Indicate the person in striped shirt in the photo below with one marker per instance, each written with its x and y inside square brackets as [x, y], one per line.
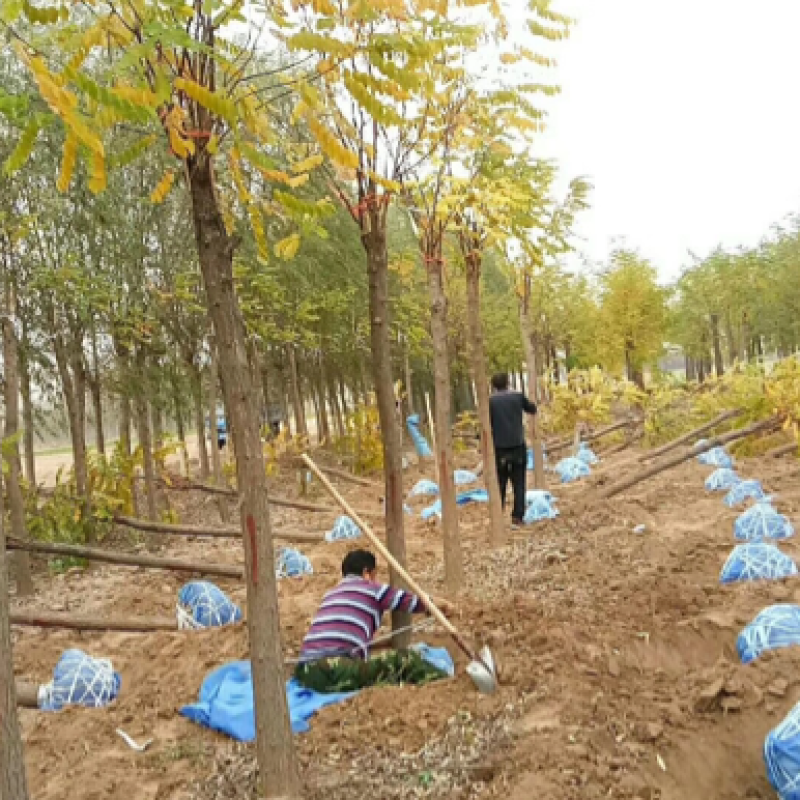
[351, 612]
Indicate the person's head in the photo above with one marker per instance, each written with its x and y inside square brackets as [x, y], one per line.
[361, 563]
[500, 382]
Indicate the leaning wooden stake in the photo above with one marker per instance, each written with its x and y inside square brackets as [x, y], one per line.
[592, 437]
[783, 450]
[147, 526]
[124, 559]
[687, 437]
[719, 441]
[45, 619]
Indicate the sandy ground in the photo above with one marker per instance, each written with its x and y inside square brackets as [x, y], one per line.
[619, 671]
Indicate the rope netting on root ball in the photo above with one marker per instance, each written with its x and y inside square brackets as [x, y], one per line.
[757, 561]
[80, 680]
[762, 521]
[743, 491]
[716, 457]
[782, 756]
[721, 480]
[539, 505]
[572, 469]
[202, 604]
[774, 627]
[291, 563]
[344, 528]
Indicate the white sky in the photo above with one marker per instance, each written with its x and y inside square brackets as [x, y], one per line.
[685, 116]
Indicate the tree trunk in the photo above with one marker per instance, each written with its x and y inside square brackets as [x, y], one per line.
[481, 380]
[719, 365]
[21, 562]
[177, 404]
[409, 381]
[95, 387]
[13, 783]
[145, 440]
[216, 461]
[29, 443]
[529, 343]
[157, 428]
[333, 397]
[274, 744]
[453, 558]
[301, 426]
[199, 421]
[381, 345]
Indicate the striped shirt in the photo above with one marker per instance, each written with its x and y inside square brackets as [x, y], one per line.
[349, 616]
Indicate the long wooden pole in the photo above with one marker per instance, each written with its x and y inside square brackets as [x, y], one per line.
[655, 469]
[219, 533]
[565, 443]
[124, 559]
[689, 436]
[432, 424]
[46, 619]
[398, 568]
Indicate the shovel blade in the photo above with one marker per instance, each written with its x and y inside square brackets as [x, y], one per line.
[482, 672]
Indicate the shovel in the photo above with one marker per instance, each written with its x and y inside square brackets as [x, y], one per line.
[481, 667]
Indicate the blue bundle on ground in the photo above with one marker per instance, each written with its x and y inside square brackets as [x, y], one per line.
[539, 506]
[343, 528]
[716, 457]
[776, 626]
[721, 480]
[475, 496]
[226, 698]
[80, 680]
[587, 455]
[762, 521]
[420, 443]
[463, 477]
[424, 488]
[572, 469]
[202, 604]
[744, 490]
[291, 563]
[782, 756]
[757, 561]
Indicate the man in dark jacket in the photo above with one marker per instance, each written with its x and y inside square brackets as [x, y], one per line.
[508, 432]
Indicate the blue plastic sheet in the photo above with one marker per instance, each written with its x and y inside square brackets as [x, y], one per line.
[721, 480]
[463, 477]
[716, 457]
[540, 507]
[572, 469]
[782, 756]
[533, 495]
[762, 521]
[424, 488]
[757, 561]
[202, 604]
[80, 680]
[420, 443]
[226, 698]
[343, 528]
[742, 491]
[587, 455]
[776, 626]
[475, 496]
[291, 563]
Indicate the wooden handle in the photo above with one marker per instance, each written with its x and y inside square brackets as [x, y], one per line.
[384, 551]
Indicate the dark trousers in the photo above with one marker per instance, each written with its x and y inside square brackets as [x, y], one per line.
[511, 466]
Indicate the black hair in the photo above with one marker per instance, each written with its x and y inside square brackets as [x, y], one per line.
[357, 561]
[500, 381]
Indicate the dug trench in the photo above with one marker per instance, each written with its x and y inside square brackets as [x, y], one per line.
[617, 650]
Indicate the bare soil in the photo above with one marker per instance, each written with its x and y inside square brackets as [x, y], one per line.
[619, 671]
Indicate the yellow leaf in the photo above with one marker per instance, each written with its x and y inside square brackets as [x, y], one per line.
[307, 164]
[68, 161]
[221, 106]
[161, 191]
[287, 248]
[298, 180]
[330, 144]
[97, 178]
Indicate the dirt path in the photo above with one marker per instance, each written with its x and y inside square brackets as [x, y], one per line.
[620, 677]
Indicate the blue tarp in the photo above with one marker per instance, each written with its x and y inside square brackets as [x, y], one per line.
[203, 604]
[776, 626]
[587, 455]
[721, 480]
[424, 488]
[757, 561]
[343, 528]
[539, 506]
[782, 756]
[475, 496]
[762, 521]
[226, 698]
[716, 457]
[572, 469]
[291, 563]
[420, 443]
[80, 680]
[744, 490]
[463, 477]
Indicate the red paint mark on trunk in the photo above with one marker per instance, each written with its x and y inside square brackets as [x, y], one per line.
[251, 532]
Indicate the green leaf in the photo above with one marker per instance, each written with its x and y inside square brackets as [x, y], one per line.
[22, 151]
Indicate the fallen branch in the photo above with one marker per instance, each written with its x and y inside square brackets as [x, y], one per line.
[783, 450]
[345, 476]
[124, 559]
[220, 533]
[618, 448]
[593, 437]
[44, 619]
[689, 436]
[655, 469]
